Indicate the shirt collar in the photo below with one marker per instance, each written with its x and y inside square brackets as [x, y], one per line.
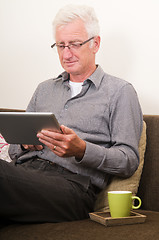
[95, 78]
[64, 76]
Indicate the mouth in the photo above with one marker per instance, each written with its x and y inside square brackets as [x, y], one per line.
[70, 63]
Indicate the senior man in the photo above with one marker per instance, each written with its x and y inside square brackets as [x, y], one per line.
[101, 123]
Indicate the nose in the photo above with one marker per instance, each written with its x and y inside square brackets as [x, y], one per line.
[67, 53]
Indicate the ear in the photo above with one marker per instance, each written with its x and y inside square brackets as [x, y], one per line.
[96, 44]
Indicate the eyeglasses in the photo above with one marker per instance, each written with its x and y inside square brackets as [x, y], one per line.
[71, 46]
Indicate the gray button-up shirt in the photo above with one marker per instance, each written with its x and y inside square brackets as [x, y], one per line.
[106, 114]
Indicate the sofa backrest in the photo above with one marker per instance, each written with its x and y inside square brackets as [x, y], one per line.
[149, 184]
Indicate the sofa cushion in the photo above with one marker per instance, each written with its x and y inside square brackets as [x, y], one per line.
[4, 149]
[128, 184]
[83, 229]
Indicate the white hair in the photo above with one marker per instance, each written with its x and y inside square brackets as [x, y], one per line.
[71, 12]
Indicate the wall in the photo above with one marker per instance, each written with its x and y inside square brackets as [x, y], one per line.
[129, 47]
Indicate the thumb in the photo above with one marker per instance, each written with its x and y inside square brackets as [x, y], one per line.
[66, 130]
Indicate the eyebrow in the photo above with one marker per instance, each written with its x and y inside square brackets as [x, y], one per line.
[72, 41]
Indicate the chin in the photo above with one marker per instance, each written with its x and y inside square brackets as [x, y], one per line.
[72, 70]
[71, 67]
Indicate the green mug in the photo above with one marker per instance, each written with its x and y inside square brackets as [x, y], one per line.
[121, 203]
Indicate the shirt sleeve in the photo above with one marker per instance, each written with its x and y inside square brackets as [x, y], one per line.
[125, 124]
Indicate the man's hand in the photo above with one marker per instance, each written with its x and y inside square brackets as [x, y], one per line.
[33, 147]
[65, 144]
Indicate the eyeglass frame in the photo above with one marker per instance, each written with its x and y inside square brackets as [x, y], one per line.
[64, 46]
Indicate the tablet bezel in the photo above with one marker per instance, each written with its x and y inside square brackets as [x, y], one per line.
[22, 127]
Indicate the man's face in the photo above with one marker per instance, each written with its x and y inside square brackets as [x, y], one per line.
[75, 61]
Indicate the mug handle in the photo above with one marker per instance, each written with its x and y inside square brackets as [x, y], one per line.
[139, 200]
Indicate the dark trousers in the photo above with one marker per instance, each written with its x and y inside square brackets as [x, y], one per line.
[37, 191]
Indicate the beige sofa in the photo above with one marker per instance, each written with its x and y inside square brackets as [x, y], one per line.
[147, 189]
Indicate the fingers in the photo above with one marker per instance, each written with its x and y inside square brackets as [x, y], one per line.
[65, 144]
[38, 147]
[50, 140]
[66, 130]
[50, 136]
[33, 147]
[56, 141]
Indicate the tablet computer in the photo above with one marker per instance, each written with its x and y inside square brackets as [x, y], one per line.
[22, 127]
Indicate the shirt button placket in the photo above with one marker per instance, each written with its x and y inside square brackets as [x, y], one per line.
[66, 107]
